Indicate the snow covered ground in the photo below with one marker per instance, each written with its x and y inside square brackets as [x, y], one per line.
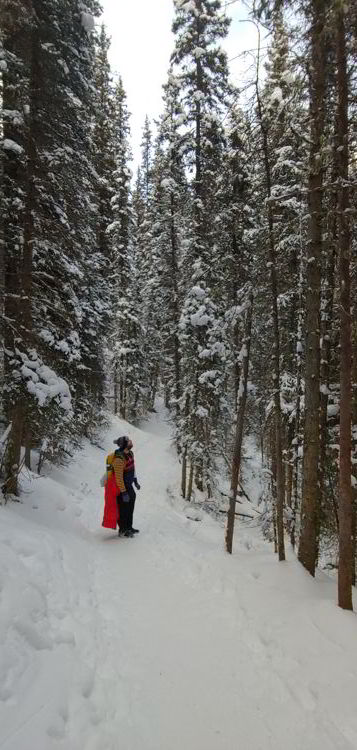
[161, 642]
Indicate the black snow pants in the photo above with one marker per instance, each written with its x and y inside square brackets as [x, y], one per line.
[132, 497]
[124, 513]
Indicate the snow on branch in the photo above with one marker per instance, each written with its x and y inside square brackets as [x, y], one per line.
[43, 383]
[87, 19]
[10, 145]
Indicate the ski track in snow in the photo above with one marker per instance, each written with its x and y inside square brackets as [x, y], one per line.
[162, 641]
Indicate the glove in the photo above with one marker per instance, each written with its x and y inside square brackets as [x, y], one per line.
[137, 485]
[125, 497]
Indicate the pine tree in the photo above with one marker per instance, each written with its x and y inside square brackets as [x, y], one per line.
[55, 56]
[281, 211]
[344, 241]
[148, 271]
[171, 222]
[308, 537]
[123, 354]
[103, 143]
[201, 68]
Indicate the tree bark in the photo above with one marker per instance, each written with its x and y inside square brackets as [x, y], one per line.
[307, 545]
[237, 453]
[190, 483]
[344, 244]
[175, 300]
[280, 483]
[116, 387]
[184, 473]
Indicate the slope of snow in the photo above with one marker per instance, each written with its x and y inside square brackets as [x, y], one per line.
[162, 641]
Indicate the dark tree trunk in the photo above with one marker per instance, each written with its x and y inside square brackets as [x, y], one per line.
[18, 191]
[116, 388]
[190, 483]
[307, 546]
[344, 243]
[325, 346]
[184, 473]
[175, 303]
[280, 480]
[237, 452]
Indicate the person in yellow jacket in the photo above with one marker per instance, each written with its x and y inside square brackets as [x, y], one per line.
[115, 467]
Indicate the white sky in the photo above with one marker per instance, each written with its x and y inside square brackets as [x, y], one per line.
[141, 46]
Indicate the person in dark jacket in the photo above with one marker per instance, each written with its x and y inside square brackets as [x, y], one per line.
[130, 479]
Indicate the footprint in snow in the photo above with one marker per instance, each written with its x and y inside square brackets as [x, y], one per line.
[57, 728]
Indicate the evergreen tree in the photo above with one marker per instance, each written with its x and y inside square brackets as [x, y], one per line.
[201, 68]
[171, 222]
[53, 227]
[123, 355]
[148, 270]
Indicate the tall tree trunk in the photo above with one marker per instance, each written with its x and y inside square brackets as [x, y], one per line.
[18, 186]
[327, 300]
[273, 486]
[184, 456]
[280, 480]
[29, 225]
[175, 300]
[237, 452]
[344, 244]
[27, 441]
[354, 543]
[190, 482]
[116, 387]
[299, 349]
[307, 546]
[184, 472]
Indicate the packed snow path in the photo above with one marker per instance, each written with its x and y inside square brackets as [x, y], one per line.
[161, 642]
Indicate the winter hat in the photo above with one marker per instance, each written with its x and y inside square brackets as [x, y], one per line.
[122, 442]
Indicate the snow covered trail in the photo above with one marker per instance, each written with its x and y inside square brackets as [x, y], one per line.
[162, 641]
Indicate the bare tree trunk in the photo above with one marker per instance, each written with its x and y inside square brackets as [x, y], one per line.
[199, 475]
[116, 387]
[175, 301]
[354, 543]
[184, 473]
[274, 520]
[280, 483]
[29, 226]
[344, 243]
[307, 546]
[296, 483]
[237, 452]
[27, 440]
[354, 467]
[273, 490]
[184, 457]
[290, 467]
[190, 483]
[327, 300]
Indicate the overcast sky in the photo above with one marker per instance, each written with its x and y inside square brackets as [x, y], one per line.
[142, 42]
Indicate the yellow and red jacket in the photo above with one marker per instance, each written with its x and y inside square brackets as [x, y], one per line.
[115, 468]
[114, 484]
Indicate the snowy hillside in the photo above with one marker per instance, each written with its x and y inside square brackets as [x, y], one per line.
[161, 642]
